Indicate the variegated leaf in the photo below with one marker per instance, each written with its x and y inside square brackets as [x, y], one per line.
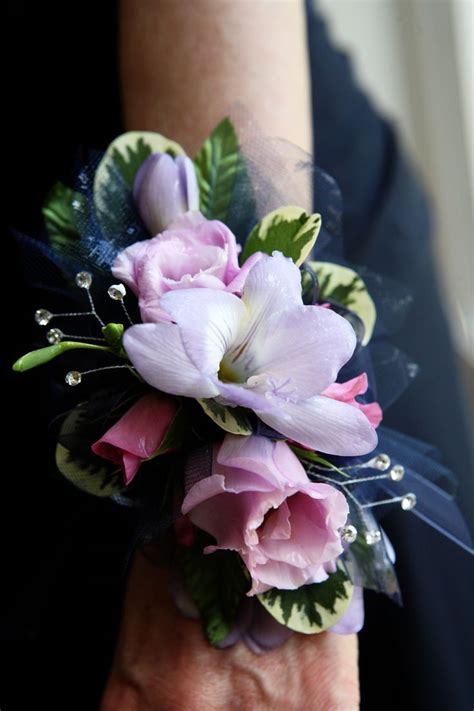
[287, 229]
[128, 151]
[230, 419]
[346, 287]
[312, 608]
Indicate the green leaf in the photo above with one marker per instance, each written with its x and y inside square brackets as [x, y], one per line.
[218, 164]
[216, 582]
[312, 608]
[44, 355]
[344, 286]
[58, 212]
[287, 229]
[231, 419]
[88, 473]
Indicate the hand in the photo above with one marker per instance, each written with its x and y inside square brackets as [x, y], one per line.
[163, 662]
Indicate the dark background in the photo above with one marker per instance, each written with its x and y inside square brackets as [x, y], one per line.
[63, 553]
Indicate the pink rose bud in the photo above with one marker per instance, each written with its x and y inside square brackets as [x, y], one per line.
[259, 502]
[165, 188]
[138, 434]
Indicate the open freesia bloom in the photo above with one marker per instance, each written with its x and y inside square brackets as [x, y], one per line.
[266, 351]
[138, 434]
[259, 502]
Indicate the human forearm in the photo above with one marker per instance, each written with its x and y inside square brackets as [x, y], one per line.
[186, 63]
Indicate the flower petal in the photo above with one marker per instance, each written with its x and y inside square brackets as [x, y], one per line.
[302, 350]
[187, 174]
[233, 519]
[208, 320]
[310, 534]
[345, 392]
[138, 433]
[158, 192]
[373, 412]
[277, 526]
[125, 264]
[323, 424]
[287, 576]
[272, 461]
[201, 491]
[237, 283]
[272, 286]
[157, 352]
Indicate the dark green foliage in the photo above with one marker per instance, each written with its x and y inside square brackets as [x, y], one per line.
[218, 165]
[58, 213]
[216, 582]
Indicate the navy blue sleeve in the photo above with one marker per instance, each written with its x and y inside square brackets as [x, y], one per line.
[420, 655]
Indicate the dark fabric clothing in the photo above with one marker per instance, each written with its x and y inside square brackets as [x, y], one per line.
[422, 655]
[63, 552]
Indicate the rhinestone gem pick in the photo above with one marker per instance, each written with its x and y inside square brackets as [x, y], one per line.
[396, 473]
[117, 292]
[84, 280]
[408, 502]
[348, 533]
[382, 462]
[73, 378]
[54, 336]
[373, 536]
[43, 317]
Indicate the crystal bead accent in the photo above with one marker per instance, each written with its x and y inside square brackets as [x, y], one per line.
[73, 378]
[117, 292]
[382, 462]
[373, 536]
[396, 473]
[54, 336]
[43, 317]
[408, 502]
[412, 370]
[348, 533]
[84, 280]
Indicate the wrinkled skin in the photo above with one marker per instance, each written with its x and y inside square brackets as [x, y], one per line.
[163, 663]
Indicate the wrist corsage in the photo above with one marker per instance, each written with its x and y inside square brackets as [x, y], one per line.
[231, 370]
